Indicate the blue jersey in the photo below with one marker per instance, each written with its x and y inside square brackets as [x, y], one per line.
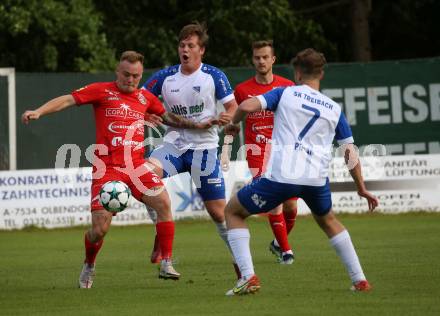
[194, 97]
[305, 124]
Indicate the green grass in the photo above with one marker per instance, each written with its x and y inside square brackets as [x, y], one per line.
[400, 255]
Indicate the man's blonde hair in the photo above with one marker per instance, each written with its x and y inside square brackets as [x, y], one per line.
[132, 57]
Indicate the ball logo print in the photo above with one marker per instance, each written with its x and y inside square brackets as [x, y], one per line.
[114, 196]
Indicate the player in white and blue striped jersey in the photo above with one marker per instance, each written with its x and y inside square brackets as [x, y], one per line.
[305, 124]
[191, 90]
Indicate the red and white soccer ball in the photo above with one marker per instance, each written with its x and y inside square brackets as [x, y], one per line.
[114, 196]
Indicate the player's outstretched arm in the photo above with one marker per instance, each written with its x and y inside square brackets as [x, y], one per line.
[354, 166]
[226, 117]
[178, 121]
[247, 106]
[54, 105]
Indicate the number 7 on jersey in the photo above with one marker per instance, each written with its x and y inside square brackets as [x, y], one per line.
[316, 115]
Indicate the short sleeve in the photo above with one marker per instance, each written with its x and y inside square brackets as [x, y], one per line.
[223, 89]
[155, 107]
[343, 133]
[155, 82]
[87, 94]
[269, 101]
[238, 95]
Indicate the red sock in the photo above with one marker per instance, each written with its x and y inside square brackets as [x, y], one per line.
[290, 219]
[165, 234]
[279, 230]
[92, 249]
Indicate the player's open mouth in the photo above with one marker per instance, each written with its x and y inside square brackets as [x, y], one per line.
[185, 57]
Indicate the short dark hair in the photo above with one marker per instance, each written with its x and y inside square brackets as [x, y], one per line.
[195, 29]
[132, 57]
[263, 43]
[310, 62]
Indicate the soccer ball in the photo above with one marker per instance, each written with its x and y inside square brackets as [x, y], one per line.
[114, 196]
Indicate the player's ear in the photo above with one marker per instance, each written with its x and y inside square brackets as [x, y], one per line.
[202, 50]
[321, 75]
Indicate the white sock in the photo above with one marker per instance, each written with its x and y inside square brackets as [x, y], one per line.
[345, 250]
[223, 232]
[152, 213]
[239, 242]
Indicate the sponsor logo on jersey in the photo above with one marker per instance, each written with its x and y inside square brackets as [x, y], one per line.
[261, 139]
[141, 98]
[175, 90]
[214, 181]
[122, 127]
[261, 114]
[196, 108]
[179, 109]
[113, 95]
[119, 141]
[255, 127]
[123, 111]
[183, 110]
[258, 200]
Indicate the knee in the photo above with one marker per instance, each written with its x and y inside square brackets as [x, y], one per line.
[217, 214]
[97, 233]
[329, 223]
[163, 204]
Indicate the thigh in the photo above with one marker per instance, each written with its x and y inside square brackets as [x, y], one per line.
[318, 199]
[206, 174]
[171, 160]
[143, 181]
[263, 195]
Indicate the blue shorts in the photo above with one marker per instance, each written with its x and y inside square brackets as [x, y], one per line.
[203, 166]
[263, 195]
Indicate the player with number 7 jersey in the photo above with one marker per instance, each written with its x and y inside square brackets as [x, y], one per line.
[305, 124]
[303, 159]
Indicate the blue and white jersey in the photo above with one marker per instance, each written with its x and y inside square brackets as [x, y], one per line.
[194, 97]
[305, 124]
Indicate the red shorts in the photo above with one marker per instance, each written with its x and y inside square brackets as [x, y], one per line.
[147, 178]
[257, 167]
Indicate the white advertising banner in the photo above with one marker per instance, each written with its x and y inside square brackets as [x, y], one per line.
[53, 198]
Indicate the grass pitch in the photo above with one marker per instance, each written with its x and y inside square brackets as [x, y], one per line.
[400, 255]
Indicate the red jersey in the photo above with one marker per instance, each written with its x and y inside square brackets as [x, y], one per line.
[259, 125]
[118, 115]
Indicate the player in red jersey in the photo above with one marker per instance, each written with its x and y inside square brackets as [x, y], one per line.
[120, 109]
[258, 135]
